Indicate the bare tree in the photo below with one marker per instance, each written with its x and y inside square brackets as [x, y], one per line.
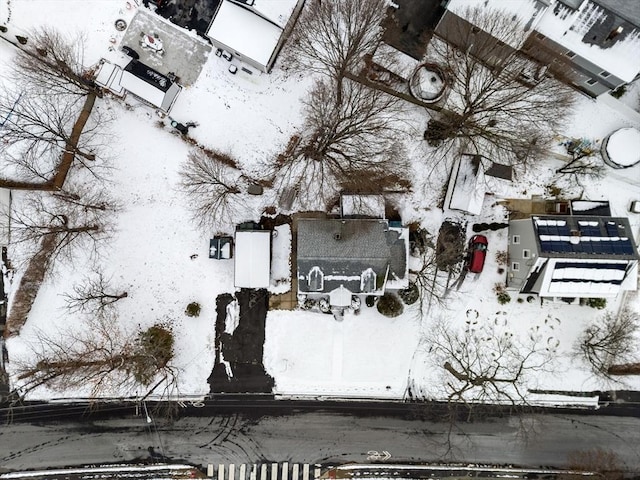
[93, 294]
[99, 355]
[356, 142]
[78, 218]
[333, 36]
[39, 129]
[484, 363]
[55, 63]
[598, 459]
[609, 340]
[424, 273]
[213, 187]
[501, 105]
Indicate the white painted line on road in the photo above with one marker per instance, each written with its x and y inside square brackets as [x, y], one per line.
[263, 472]
[295, 471]
[221, 472]
[285, 470]
[210, 470]
[316, 473]
[274, 471]
[232, 471]
[305, 471]
[254, 472]
[243, 471]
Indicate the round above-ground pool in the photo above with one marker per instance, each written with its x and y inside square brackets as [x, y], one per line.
[428, 82]
[621, 149]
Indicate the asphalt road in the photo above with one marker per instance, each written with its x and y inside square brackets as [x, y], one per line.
[316, 437]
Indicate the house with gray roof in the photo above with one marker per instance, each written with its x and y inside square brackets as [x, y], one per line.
[572, 256]
[591, 45]
[343, 257]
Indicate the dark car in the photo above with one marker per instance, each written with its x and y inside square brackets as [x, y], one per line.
[477, 253]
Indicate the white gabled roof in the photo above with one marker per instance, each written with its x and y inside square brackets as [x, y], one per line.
[245, 32]
[468, 187]
[252, 258]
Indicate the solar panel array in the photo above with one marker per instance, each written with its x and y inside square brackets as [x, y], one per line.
[592, 237]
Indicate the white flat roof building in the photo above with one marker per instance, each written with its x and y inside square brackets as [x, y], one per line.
[252, 258]
[245, 34]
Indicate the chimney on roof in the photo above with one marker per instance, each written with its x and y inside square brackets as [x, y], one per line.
[574, 239]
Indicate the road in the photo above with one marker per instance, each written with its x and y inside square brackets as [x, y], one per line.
[316, 437]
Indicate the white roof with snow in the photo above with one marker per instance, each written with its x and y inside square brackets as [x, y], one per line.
[252, 258]
[149, 93]
[467, 186]
[278, 11]
[245, 32]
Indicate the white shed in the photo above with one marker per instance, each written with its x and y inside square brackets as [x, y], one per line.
[252, 258]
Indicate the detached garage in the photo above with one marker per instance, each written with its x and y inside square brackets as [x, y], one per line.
[252, 258]
[149, 85]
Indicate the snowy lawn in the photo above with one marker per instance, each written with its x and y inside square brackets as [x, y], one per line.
[161, 260]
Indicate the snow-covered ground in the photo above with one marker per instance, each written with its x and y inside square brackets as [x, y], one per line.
[161, 259]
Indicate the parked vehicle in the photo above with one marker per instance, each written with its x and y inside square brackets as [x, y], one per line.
[477, 253]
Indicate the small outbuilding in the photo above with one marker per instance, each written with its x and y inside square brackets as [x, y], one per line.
[252, 258]
[221, 248]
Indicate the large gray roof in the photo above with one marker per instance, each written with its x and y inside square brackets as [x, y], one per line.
[345, 248]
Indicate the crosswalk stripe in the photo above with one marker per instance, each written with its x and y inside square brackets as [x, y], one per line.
[285, 470]
[254, 472]
[221, 472]
[232, 472]
[316, 472]
[274, 471]
[295, 472]
[305, 471]
[243, 471]
[263, 472]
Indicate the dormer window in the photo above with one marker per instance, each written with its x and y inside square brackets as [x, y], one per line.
[368, 281]
[315, 280]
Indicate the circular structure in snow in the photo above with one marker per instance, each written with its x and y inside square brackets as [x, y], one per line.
[428, 83]
[121, 25]
[621, 149]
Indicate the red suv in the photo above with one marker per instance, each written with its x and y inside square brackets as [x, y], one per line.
[477, 253]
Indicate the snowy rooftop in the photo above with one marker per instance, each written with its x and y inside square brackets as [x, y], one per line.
[245, 32]
[568, 28]
[278, 11]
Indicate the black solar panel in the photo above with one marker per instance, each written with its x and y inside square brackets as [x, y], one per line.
[612, 229]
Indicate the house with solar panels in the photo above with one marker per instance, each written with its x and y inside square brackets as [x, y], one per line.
[570, 257]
